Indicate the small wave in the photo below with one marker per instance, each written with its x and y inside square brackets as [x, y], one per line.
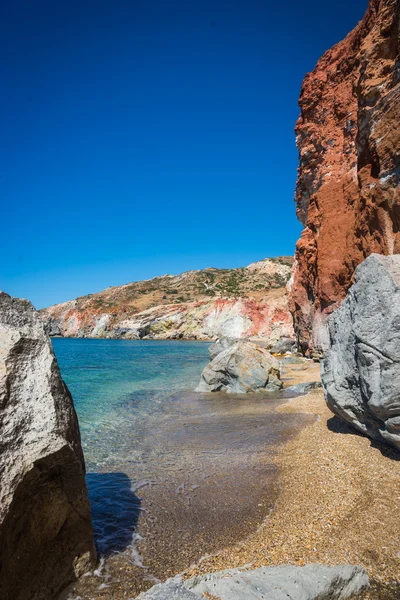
[136, 557]
[140, 484]
[99, 571]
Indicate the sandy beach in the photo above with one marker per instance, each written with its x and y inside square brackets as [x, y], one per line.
[193, 475]
[323, 495]
[338, 501]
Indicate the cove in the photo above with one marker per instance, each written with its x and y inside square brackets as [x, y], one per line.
[172, 475]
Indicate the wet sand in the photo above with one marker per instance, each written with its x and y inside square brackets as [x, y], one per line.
[227, 481]
[205, 480]
[338, 503]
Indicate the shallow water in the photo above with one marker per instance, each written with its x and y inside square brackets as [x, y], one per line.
[118, 383]
[172, 475]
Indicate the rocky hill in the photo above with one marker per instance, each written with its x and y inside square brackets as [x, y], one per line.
[347, 193]
[249, 301]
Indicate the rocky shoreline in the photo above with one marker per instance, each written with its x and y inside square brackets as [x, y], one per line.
[335, 491]
[336, 501]
[212, 486]
[334, 521]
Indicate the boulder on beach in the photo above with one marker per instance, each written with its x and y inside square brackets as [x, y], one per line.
[286, 582]
[305, 387]
[240, 367]
[361, 370]
[283, 345]
[46, 538]
[222, 344]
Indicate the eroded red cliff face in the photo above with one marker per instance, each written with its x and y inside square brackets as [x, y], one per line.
[347, 194]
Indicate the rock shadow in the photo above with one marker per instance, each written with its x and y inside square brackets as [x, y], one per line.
[338, 426]
[115, 511]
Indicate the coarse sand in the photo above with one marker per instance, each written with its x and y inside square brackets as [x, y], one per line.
[338, 502]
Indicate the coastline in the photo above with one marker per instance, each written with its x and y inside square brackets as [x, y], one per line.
[336, 503]
[200, 467]
[127, 339]
[334, 496]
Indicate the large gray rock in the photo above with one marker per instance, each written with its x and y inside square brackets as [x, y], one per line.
[242, 367]
[46, 538]
[283, 345]
[287, 582]
[361, 370]
[220, 345]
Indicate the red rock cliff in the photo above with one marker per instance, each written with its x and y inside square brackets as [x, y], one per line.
[347, 194]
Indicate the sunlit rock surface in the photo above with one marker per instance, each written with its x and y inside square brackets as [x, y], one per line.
[46, 538]
[240, 367]
[347, 192]
[286, 582]
[204, 305]
[361, 370]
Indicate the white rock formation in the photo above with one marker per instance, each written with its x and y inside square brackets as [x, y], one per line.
[46, 538]
[286, 582]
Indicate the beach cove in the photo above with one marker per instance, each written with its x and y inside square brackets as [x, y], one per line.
[173, 475]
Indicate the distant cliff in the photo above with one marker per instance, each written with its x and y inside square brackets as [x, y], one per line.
[347, 194]
[249, 301]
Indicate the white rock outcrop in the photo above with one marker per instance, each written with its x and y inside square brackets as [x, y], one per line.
[46, 537]
[286, 582]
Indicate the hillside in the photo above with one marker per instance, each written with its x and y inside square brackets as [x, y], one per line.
[248, 301]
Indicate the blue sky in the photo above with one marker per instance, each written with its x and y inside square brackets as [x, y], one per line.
[147, 137]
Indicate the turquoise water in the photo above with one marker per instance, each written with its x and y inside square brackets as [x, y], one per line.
[172, 474]
[116, 384]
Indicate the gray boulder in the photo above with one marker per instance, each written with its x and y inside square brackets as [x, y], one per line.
[287, 582]
[283, 345]
[304, 388]
[46, 538]
[242, 367]
[361, 370]
[220, 345]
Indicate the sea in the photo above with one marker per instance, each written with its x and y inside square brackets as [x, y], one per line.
[173, 475]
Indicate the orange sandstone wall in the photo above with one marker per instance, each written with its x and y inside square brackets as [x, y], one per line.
[347, 193]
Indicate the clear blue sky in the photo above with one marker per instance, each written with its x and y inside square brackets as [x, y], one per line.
[140, 137]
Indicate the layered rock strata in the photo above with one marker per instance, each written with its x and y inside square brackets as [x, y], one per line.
[46, 538]
[204, 305]
[347, 191]
[361, 370]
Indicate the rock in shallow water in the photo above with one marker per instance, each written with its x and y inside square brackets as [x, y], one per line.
[361, 371]
[239, 368]
[46, 538]
[287, 582]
